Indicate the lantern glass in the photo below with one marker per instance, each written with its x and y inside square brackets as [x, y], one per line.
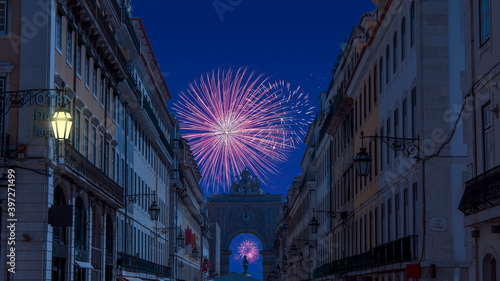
[314, 225]
[195, 252]
[61, 125]
[180, 239]
[362, 162]
[293, 250]
[154, 211]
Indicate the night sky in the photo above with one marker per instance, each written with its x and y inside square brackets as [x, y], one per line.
[292, 40]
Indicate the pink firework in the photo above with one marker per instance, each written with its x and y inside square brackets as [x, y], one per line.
[236, 119]
[250, 249]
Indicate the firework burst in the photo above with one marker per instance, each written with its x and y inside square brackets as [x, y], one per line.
[236, 119]
[250, 249]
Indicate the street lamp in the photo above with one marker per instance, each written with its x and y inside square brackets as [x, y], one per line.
[194, 253]
[293, 249]
[363, 162]
[61, 125]
[180, 239]
[409, 147]
[154, 211]
[314, 225]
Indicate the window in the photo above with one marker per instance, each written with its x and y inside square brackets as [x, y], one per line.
[381, 74]
[80, 225]
[77, 129]
[94, 83]
[414, 207]
[375, 226]
[396, 213]
[405, 119]
[484, 18]
[59, 32]
[370, 231]
[78, 60]
[406, 231]
[388, 125]
[115, 108]
[375, 152]
[487, 137]
[389, 218]
[382, 149]
[86, 137]
[370, 94]
[359, 110]
[365, 236]
[106, 158]
[113, 161]
[395, 52]
[87, 70]
[94, 140]
[101, 151]
[382, 218]
[69, 47]
[364, 102]
[101, 97]
[108, 101]
[387, 55]
[414, 130]
[396, 128]
[370, 145]
[489, 268]
[412, 24]
[375, 89]
[403, 39]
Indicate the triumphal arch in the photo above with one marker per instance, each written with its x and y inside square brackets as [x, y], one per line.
[246, 209]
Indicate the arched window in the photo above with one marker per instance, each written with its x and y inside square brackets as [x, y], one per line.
[80, 225]
[96, 229]
[109, 235]
[59, 233]
[489, 268]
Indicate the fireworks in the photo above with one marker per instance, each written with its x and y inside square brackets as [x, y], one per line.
[250, 249]
[235, 119]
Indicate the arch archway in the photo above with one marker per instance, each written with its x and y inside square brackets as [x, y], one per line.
[249, 246]
[246, 209]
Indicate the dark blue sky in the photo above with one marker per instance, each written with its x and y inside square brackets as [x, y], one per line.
[292, 40]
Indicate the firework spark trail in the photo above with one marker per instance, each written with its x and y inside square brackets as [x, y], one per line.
[250, 249]
[235, 119]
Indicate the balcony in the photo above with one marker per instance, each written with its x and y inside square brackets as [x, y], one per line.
[339, 109]
[481, 192]
[81, 165]
[118, 66]
[135, 264]
[154, 120]
[398, 251]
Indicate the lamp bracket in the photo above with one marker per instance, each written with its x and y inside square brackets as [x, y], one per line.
[409, 146]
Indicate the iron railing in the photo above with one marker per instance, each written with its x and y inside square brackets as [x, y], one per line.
[481, 192]
[135, 264]
[401, 250]
[86, 169]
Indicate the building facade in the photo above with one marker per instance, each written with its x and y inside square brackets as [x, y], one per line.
[86, 206]
[480, 86]
[393, 93]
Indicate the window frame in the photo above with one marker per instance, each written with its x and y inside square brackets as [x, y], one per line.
[487, 135]
[69, 46]
[484, 19]
[58, 40]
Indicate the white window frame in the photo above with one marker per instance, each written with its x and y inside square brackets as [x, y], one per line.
[5, 29]
[69, 47]
[58, 40]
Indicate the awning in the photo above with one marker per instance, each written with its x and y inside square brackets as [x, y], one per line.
[127, 278]
[82, 264]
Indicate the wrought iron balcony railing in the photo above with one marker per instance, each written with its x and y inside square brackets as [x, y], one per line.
[131, 263]
[89, 171]
[398, 251]
[481, 192]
